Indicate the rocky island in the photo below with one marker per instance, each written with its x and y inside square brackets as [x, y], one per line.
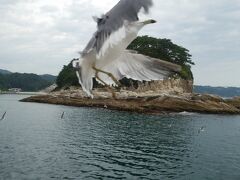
[155, 98]
[170, 95]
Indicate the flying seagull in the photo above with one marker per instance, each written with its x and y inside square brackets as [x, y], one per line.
[105, 56]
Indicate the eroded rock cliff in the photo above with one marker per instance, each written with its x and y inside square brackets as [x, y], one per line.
[170, 86]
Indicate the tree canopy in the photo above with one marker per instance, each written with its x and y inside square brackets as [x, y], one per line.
[67, 77]
[162, 49]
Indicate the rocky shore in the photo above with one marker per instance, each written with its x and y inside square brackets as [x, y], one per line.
[148, 102]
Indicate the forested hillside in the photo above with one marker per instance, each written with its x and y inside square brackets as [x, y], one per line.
[27, 82]
[2, 71]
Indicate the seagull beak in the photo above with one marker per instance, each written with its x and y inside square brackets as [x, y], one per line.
[151, 21]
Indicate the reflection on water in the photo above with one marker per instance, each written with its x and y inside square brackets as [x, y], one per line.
[37, 142]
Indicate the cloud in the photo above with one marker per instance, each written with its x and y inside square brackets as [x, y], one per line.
[41, 36]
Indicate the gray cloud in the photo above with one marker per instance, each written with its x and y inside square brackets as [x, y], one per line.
[40, 36]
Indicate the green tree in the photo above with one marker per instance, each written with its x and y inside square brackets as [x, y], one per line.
[67, 77]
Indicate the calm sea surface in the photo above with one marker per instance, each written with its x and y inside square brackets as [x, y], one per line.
[35, 143]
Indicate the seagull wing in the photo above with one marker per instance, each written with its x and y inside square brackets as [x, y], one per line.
[138, 67]
[112, 24]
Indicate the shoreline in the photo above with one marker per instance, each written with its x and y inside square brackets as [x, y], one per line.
[23, 93]
[146, 104]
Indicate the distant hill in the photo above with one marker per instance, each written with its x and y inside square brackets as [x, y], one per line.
[221, 91]
[48, 77]
[27, 82]
[2, 71]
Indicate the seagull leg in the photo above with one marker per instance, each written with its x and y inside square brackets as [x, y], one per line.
[109, 74]
[108, 87]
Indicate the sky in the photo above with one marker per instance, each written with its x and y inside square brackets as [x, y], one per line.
[40, 36]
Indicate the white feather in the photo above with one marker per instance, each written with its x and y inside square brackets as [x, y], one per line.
[113, 40]
[85, 73]
[137, 67]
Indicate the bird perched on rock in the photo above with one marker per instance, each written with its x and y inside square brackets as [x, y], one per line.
[105, 56]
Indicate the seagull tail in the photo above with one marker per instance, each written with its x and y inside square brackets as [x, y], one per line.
[85, 75]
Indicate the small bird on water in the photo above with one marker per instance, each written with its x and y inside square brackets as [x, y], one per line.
[105, 57]
[3, 116]
[202, 129]
[62, 116]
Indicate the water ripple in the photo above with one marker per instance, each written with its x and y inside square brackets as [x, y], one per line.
[102, 144]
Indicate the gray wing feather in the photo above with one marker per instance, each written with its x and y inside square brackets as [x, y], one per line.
[138, 67]
[125, 10]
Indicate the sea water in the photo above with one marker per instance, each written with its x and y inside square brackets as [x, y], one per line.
[40, 141]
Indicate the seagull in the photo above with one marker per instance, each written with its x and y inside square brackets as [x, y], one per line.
[202, 129]
[3, 116]
[62, 116]
[105, 57]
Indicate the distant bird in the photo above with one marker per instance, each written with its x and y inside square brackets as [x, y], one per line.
[202, 129]
[62, 116]
[3, 116]
[105, 56]
[171, 124]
